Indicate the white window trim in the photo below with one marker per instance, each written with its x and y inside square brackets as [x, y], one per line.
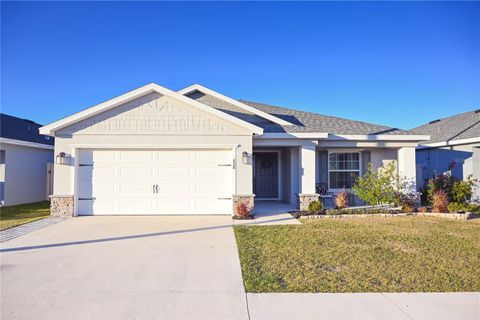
[328, 166]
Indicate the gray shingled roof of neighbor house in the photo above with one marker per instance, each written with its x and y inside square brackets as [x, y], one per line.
[22, 129]
[302, 121]
[460, 126]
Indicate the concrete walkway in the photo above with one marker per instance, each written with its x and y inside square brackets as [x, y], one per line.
[23, 229]
[391, 306]
[270, 213]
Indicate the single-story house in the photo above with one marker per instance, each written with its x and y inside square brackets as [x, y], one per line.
[455, 138]
[196, 151]
[26, 162]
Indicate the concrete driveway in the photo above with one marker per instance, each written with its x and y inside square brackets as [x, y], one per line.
[124, 268]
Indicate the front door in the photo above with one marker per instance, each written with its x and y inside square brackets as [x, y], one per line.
[265, 175]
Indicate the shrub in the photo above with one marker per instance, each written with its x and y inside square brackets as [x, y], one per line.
[315, 207]
[423, 209]
[359, 211]
[462, 207]
[440, 201]
[242, 210]
[407, 200]
[341, 200]
[376, 187]
[462, 190]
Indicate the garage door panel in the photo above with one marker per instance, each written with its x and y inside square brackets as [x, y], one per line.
[178, 173]
[137, 156]
[136, 172]
[189, 182]
[174, 188]
[103, 155]
[136, 205]
[135, 188]
[174, 156]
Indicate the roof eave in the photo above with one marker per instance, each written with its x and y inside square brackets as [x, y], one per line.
[260, 113]
[134, 94]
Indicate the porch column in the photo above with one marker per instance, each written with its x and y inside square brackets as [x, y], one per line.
[307, 155]
[407, 164]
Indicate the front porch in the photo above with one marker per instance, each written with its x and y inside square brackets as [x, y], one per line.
[288, 177]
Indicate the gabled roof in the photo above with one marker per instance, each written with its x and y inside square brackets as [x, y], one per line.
[232, 105]
[457, 127]
[129, 96]
[22, 129]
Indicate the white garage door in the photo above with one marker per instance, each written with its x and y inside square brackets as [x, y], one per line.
[145, 182]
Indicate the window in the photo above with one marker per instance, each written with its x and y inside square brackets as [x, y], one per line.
[343, 167]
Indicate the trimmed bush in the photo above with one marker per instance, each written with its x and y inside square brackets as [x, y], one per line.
[315, 207]
[462, 207]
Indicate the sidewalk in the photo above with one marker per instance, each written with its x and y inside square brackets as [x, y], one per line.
[391, 306]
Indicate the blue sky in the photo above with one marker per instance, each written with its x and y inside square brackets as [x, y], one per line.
[397, 64]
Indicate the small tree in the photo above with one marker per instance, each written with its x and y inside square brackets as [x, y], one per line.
[377, 187]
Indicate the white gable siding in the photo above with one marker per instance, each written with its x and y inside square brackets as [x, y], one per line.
[154, 114]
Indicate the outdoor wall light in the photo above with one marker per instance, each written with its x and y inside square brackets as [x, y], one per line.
[62, 158]
[245, 157]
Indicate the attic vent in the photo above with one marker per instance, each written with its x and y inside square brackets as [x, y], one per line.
[434, 121]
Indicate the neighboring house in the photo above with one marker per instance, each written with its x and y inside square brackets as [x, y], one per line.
[196, 151]
[456, 138]
[26, 161]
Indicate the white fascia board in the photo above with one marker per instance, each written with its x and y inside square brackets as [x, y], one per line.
[299, 135]
[236, 103]
[26, 143]
[132, 95]
[380, 137]
[450, 143]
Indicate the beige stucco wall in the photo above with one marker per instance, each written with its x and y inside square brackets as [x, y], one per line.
[25, 173]
[152, 122]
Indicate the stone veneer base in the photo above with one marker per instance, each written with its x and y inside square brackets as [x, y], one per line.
[303, 200]
[248, 199]
[61, 206]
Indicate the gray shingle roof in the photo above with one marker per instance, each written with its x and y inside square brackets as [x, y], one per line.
[306, 122]
[460, 126]
[22, 129]
[313, 122]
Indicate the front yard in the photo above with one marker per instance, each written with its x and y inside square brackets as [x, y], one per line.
[12, 216]
[399, 254]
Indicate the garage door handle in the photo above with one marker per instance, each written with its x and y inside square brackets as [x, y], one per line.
[224, 165]
[155, 188]
[224, 198]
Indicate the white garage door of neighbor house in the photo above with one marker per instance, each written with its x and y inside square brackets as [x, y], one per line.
[148, 182]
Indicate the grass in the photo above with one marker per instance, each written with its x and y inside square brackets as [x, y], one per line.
[12, 216]
[399, 254]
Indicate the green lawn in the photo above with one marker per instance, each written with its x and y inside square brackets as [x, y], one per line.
[11, 216]
[399, 254]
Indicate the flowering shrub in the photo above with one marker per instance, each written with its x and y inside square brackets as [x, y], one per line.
[407, 200]
[440, 201]
[456, 190]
